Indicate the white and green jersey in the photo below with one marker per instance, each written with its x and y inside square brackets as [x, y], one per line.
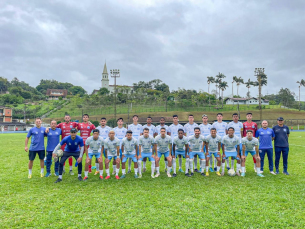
[95, 146]
[104, 131]
[152, 129]
[163, 143]
[120, 133]
[111, 146]
[237, 128]
[180, 143]
[213, 142]
[205, 129]
[189, 129]
[137, 130]
[129, 146]
[230, 143]
[250, 144]
[173, 129]
[196, 144]
[146, 144]
[158, 128]
[221, 128]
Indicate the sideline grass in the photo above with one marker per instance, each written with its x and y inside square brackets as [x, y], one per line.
[197, 202]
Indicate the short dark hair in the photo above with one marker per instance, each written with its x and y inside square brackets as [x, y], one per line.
[231, 128]
[180, 130]
[219, 114]
[37, 118]
[135, 116]
[67, 115]
[120, 119]
[162, 128]
[250, 131]
[149, 117]
[103, 118]
[213, 129]
[129, 132]
[162, 118]
[191, 115]
[234, 114]
[174, 116]
[197, 128]
[146, 129]
[249, 113]
[95, 131]
[53, 120]
[85, 115]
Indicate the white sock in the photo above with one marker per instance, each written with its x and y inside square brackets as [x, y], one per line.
[79, 175]
[60, 176]
[136, 171]
[207, 169]
[243, 169]
[86, 173]
[180, 162]
[237, 167]
[129, 164]
[140, 166]
[101, 172]
[42, 170]
[228, 162]
[71, 167]
[30, 171]
[195, 162]
[97, 166]
[123, 171]
[169, 169]
[174, 165]
[166, 163]
[211, 162]
[258, 170]
[218, 168]
[223, 165]
[113, 167]
[117, 171]
[158, 169]
[107, 172]
[187, 164]
[232, 163]
[144, 165]
[202, 165]
[215, 162]
[191, 166]
[152, 168]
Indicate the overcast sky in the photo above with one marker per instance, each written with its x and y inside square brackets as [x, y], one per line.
[179, 42]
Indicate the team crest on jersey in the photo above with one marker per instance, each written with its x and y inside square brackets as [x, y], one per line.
[88, 127]
[69, 143]
[71, 126]
[253, 126]
[285, 130]
[268, 132]
[75, 143]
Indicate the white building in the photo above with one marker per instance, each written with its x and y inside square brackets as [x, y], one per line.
[105, 84]
[247, 101]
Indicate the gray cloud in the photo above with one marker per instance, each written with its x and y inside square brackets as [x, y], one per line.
[179, 42]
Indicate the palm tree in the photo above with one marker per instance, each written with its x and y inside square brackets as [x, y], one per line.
[248, 85]
[223, 85]
[238, 81]
[219, 78]
[211, 79]
[261, 81]
[301, 83]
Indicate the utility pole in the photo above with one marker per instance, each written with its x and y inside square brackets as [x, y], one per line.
[115, 73]
[299, 94]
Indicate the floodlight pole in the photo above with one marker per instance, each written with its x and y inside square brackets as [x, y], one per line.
[115, 73]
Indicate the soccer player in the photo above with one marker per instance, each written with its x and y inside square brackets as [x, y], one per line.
[37, 135]
[173, 132]
[74, 146]
[205, 129]
[196, 143]
[250, 125]
[221, 128]
[94, 146]
[145, 143]
[163, 146]
[65, 131]
[137, 131]
[112, 150]
[281, 144]
[238, 130]
[162, 124]
[53, 140]
[85, 129]
[265, 136]
[212, 146]
[129, 149]
[152, 132]
[248, 144]
[180, 147]
[104, 133]
[229, 149]
[120, 133]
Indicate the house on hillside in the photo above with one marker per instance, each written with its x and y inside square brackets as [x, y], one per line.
[56, 93]
[7, 123]
[247, 101]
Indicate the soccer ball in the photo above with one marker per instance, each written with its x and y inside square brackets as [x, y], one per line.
[231, 172]
[58, 154]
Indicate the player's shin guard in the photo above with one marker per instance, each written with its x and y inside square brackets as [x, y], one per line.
[129, 164]
[140, 166]
[195, 162]
[153, 168]
[237, 167]
[180, 162]
[187, 164]
[202, 165]
[215, 162]
[191, 166]
[211, 162]
[97, 166]
[223, 165]
[232, 163]
[174, 165]
[136, 171]
[144, 166]
[228, 162]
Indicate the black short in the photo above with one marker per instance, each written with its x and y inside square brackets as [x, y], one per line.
[41, 154]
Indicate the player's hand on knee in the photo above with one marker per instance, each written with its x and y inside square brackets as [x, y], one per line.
[100, 159]
[106, 160]
[79, 160]
[87, 160]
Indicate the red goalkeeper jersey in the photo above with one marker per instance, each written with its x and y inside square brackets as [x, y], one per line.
[249, 126]
[85, 130]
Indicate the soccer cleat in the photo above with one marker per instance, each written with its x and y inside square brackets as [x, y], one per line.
[196, 170]
[140, 176]
[56, 174]
[228, 168]
[80, 178]
[157, 175]
[261, 172]
[117, 177]
[218, 174]
[129, 171]
[107, 177]
[93, 167]
[48, 174]
[187, 174]
[211, 169]
[169, 175]
[273, 173]
[200, 170]
[58, 180]
[243, 174]
[215, 169]
[136, 176]
[101, 177]
[30, 176]
[152, 176]
[286, 173]
[123, 176]
[202, 174]
[260, 175]
[277, 172]
[207, 174]
[96, 172]
[41, 175]
[174, 174]
[192, 174]
[222, 173]
[181, 170]
[71, 173]
[85, 178]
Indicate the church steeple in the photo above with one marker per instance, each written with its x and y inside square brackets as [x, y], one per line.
[105, 79]
[105, 69]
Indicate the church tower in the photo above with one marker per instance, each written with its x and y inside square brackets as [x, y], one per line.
[105, 79]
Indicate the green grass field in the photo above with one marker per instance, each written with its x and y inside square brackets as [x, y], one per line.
[181, 202]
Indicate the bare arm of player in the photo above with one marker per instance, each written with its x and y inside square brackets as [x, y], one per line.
[100, 159]
[206, 149]
[174, 148]
[170, 149]
[86, 152]
[80, 158]
[26, 144]
[56, 148]
[243, 157]
[156, 150]
[223, 150]
[118, 151]
[140, 150]
[186, 149]
[122, 148]
[238, 149]
[202, 150]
